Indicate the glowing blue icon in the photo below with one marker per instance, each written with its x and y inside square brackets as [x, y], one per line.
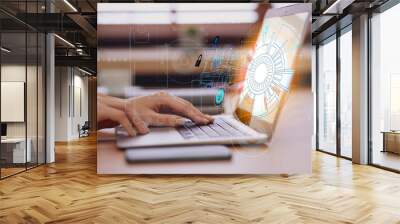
[219, 98]
[215, 41]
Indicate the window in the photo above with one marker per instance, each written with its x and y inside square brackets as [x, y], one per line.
[346, 93]
[22, 77]
[327, 96]
[385, 89]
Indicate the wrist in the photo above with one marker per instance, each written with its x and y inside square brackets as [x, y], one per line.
[114, 102]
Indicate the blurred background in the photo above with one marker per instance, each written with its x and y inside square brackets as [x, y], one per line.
[143, 48]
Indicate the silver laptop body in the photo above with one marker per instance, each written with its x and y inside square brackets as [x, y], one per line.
[225, 130]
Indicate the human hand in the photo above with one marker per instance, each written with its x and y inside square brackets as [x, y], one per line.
[138, 113]
[108, 116]
[162, 109]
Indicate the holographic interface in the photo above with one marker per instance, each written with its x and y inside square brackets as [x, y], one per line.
[271, 68]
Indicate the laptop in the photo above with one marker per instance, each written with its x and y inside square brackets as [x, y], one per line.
[266, 83]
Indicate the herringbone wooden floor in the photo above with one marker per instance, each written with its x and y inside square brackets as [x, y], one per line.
[69, 191]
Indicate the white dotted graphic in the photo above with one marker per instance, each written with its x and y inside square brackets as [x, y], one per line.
[268, 74]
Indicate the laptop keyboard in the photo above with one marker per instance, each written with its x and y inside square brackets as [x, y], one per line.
[220, 128]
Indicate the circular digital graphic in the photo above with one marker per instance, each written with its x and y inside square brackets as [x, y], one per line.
[261, 72]
[267, 76]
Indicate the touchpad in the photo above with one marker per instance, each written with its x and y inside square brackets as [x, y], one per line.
[180, 153]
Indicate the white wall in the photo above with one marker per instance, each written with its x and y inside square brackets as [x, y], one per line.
[34, 126]
[62, 81]
[12, 73]
[71, 94]
[80, 109]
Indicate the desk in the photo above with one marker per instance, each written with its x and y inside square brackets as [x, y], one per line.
[13, 150]
[289, 151]
[391, 141]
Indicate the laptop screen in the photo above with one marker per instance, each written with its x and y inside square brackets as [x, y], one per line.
[267, 77]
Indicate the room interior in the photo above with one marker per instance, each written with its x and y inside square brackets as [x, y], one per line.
[49, 84]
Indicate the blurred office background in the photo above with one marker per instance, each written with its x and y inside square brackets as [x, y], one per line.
[147, 47]
[195, 51]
